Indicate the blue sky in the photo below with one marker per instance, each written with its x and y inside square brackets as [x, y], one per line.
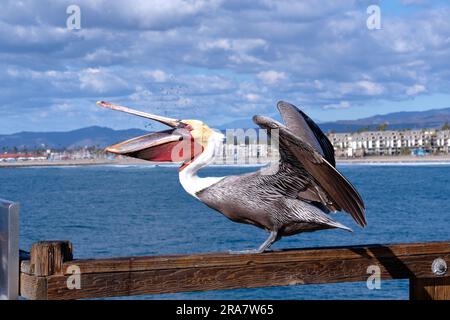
[218, 60]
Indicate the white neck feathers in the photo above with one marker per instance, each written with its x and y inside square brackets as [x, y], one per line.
[188, 175]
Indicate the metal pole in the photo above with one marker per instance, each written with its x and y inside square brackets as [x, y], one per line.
[9, 250]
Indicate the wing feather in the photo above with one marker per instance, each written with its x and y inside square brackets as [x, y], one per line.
[307, 130]
[340, 192]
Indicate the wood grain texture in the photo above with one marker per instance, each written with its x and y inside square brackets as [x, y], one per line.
[232, 277]
[32, 287]
[25, 267]
[282, 256]
[437, 288]
[217, 271]
[47, 257]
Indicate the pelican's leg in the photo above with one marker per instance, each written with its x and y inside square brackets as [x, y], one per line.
[273, 236]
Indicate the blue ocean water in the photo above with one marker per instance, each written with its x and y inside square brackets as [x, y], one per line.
[138, 210]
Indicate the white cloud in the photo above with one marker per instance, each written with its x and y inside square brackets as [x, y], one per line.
[415, 89]
[224, 44]
[238, 45]
[157, 75]
[218, 55]
[371, 88]
[340, 105]
[362, 87]
[62, 107]
[141, 94]
[103, 56]
[271, 76]
[252, 97]
[409, 2]
[99, 80]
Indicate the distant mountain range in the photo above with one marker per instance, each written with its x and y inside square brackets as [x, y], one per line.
[90, 136]
[435, 118]
[103, 137]
[398, 120]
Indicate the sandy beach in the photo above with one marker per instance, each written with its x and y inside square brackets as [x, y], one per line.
[131, 161]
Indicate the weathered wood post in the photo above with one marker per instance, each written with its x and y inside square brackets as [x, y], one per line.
[437, 288]
[46, 259]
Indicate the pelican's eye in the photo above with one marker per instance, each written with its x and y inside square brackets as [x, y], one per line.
[187, 126]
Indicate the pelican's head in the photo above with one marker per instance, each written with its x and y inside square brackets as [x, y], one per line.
[182, 143]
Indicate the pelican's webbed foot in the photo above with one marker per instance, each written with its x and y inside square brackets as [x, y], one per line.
[269, 241]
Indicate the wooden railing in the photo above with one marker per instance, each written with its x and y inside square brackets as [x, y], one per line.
[52, 273]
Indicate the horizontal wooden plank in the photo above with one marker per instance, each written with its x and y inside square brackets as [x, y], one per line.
[127, 264]
[217, 271]
[231, 277]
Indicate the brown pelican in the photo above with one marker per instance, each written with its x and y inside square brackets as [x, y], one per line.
[296, 197]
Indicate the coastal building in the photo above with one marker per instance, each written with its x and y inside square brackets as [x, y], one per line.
[245, 153]
[402, 142]
[13, 157]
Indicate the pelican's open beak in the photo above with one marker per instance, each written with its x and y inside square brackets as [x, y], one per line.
[173, 145]
[167, 121]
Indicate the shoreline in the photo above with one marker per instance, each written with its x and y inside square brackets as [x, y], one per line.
[396, 159]
[131, 162]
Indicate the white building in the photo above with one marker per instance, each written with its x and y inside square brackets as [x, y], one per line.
[390, 142]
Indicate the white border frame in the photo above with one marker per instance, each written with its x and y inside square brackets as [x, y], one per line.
[9, 250]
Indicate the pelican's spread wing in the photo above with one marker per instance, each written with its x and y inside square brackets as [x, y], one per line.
[307, 130]
[320, 177]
